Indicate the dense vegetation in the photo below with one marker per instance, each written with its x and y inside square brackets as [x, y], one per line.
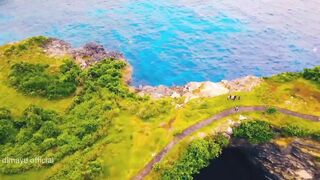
[32, 134]
[260, 131]
[255, 131]
[196, 156]
[34, 79]
[312, 74]
[7, 129]
[298, 131]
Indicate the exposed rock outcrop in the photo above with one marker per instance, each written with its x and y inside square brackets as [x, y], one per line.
[89, 54]
[247, 83]
[194, 90]
[92, 52]
[295, 159]
[190, 91]
[57, 47]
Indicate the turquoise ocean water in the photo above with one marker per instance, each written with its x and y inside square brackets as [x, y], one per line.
[172, 42]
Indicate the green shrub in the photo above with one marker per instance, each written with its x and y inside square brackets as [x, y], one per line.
[24, 135]
[293, 130]
[7, 131]
[197, 156]
[5, 113]
[108, 74]
[34, 116]
[312, 74]
[255, 131]
[49, 129]
[93, 169]
[271, 110]
[222, 140]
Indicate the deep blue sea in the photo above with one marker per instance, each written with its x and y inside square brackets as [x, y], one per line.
[172, 42]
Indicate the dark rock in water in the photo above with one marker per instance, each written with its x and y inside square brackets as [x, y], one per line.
[93, 52]
[295, 160]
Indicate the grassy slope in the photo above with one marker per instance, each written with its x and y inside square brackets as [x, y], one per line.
[132, 142]
[16, 101]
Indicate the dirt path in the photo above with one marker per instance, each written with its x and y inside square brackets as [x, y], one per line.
[146, 170]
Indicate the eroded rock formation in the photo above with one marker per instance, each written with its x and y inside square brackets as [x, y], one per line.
[284, 158]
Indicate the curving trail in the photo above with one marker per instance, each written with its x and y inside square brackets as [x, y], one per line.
[146, 170]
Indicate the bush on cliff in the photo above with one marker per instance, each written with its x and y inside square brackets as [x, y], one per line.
[297, 131]
[108, 74]
[312, 74]
[255, 131]
[197, 156]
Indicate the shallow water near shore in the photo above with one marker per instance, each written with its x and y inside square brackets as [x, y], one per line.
[174, 42]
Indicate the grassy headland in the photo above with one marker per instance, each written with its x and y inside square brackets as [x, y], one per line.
[99, 128]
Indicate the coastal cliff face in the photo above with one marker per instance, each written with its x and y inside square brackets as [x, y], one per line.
[290, 158]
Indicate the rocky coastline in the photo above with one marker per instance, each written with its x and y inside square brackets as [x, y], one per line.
[194, 90]
[93, 52]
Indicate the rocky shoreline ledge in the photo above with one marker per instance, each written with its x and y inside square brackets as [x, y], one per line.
[194, 90]
[92, 53]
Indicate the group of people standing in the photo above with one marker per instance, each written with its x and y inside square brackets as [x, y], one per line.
[234, 98]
